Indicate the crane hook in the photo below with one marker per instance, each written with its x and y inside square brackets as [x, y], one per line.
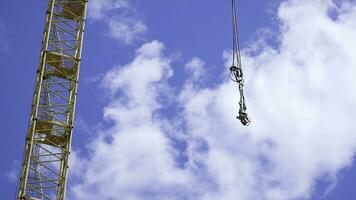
[236, 75]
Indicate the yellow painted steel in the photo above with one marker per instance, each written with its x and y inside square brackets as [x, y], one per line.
[44, 167]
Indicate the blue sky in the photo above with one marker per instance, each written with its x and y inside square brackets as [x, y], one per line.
[155, 107]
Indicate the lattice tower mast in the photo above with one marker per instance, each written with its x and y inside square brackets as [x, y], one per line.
[44, 167]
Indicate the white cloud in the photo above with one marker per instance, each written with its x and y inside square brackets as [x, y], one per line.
[99, 9]
[302, 101]
[120, 17]
[196, 68]
[13, 173]
[135, 158]
[301, 98]
[127, 29]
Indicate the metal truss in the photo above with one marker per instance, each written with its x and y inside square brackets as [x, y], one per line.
[44, 167]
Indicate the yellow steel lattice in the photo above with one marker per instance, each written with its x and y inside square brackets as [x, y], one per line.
[45, 163]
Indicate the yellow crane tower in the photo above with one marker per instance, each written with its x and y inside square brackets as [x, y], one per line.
[44, 167]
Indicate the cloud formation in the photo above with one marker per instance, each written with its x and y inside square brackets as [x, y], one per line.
[99, 9]
[127, 29]
[120, 17]
[135, 149]
[301, 97]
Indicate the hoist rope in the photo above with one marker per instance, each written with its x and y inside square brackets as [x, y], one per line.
[236, 74]
[236, 46]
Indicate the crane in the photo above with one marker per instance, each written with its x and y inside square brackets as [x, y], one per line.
[236, 73]
[44, 168]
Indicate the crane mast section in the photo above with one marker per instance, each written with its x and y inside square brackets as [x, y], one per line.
[44, 168]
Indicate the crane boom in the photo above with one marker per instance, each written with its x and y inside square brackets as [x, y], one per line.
[44, 166]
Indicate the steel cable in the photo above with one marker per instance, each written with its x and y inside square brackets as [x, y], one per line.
[236, 73]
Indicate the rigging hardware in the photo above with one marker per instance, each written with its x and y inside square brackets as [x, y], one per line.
[236, 73]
